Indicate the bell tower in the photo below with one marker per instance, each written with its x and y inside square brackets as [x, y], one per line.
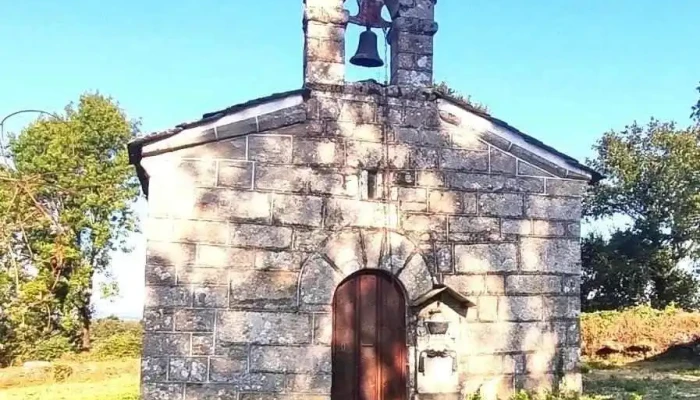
[410, 36]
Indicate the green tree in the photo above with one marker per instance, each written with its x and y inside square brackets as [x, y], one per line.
[696, 110]
[67, 192]
[653, 180]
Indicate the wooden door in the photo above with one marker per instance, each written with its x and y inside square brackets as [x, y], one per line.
[369, 339]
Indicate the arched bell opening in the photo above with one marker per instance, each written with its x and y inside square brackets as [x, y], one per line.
[369, 349]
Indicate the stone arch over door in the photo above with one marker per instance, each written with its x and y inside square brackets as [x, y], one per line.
[346, 252]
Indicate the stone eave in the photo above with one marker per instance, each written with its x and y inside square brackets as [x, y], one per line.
[437, 291]
[500, 134]
[270, 112]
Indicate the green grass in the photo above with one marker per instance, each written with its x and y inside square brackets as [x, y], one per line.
[668, 379]
[119, 380]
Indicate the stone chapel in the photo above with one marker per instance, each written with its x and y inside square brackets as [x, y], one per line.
[358, 240]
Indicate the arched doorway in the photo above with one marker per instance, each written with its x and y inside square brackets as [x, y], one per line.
[369, 338]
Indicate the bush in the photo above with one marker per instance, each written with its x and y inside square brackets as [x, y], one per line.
[640, 326]
[48, 349]
[120, 345]
[107, 327]
[61, 372]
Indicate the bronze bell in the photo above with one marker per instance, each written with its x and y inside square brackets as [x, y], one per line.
[367, 54]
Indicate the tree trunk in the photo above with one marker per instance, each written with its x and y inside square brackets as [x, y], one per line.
[85, 320]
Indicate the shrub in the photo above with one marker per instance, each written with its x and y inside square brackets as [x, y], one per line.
[48, 349]
[120, 345]
[106, 327]
[639, 326]
[61, 372]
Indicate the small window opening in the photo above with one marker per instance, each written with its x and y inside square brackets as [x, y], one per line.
[372, 184]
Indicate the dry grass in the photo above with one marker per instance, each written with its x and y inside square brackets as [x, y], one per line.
[659, 380]
[640, 325]
[103, 380]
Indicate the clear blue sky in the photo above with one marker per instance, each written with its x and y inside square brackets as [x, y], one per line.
[562, 71]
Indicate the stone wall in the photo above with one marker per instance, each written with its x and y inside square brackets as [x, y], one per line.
[248, 238]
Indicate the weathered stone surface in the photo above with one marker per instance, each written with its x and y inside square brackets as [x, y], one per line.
[487, 308]
[231, 350]
[318, 152]
[571, 284]
[218, 204]
[200, 276]
[421, 137]
[158, 296]
[476, 284]
[202, 344]
[357, 112]
[305, 383]
[194, 320]
[549, 228]
[199, 231]
[173, 344]
[550, 255]
[473, 224]
[169, 254]
[223, 368]
[423, 222]
[278, 260]
[235, 174]
[532, 284]
[501, 204]
[364, 154]
[270, 148]
[162, 391]
[238, 381]
[464, 160]
[328, 182]
[323, 329]
[485, 257]
[502, 163]
[520, 308]
[363, 132]
[159, 319]
[275, 177]
[416, 277]
[212, 297]
[190, 369]
[298, 210]
[495, 337]
[405, 156]
[562, 307]
[198, 172]
[416, 195]
[224, 257]
[530, 170]
[160, 275]
[516, 226]
[494, 183]
[210, 391]
[261, 236]
[344, 251]
[309, 240]
[441, 201]
[559, 187]
[326, 50]
[564, 208]
[443, 258]
[318, 282]
[154, 369]
[430, 179]
[312, 359]
[264, 328]
[342, 213]
[263, 289]
[231, 149]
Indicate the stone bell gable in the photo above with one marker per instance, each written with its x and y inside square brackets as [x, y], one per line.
[444, 240]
